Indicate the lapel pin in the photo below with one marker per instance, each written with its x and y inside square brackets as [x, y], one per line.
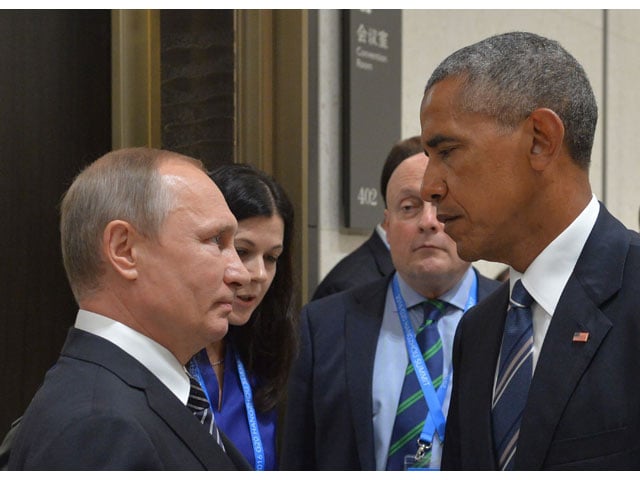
[580, 337]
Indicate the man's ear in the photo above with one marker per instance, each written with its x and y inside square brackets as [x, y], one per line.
[547, 137]
[385, 220]
[119, 243]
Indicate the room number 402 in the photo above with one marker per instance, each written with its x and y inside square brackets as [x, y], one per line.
[368, 196]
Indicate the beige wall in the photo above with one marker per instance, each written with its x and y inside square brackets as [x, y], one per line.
[623, 116]
[430, 35]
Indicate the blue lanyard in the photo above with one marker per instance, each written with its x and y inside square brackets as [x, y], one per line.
[256, 439]
[435, 418]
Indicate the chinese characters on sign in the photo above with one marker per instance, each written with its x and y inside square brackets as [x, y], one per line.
[372, 106]
[370, 38]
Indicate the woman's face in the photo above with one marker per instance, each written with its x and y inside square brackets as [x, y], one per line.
[259, 244]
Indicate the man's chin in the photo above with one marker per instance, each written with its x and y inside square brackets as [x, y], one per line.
[466, 253]
[218, 329]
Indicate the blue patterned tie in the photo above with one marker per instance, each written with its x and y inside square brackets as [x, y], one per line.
[412, 406]
[200, 407]
[514, 376]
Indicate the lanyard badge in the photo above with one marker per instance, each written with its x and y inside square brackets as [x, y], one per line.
[435, 420]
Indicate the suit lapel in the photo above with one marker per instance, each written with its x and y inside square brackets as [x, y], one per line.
[362, 326]
[184, 424]
[477, 374]
[97, 350]
[560, 366]
[562, 362]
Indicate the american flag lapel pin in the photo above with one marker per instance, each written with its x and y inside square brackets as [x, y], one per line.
[580, 337]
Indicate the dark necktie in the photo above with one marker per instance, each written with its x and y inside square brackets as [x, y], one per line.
[514, 376]
[200, 407]
[412, 406]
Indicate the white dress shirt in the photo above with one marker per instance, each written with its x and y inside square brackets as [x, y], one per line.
[549, 273]
[382, 233]
[158, 360]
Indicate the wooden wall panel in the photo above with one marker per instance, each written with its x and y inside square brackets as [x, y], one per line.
[55, 71]
[197, 83]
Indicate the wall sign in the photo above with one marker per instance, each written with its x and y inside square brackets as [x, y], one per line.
[371, 104]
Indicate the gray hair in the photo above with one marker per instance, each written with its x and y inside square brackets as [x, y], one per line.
[510, 75]
[121, 185]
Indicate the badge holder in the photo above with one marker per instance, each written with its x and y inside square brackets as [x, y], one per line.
[422, 458]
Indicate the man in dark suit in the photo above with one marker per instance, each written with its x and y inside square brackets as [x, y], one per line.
[372, 259]
[369, 261]
[147, 242]
[509, 124]
[345, 386]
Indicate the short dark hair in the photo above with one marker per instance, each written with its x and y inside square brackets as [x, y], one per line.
[399, 152]
[510, 75]
[267, 343]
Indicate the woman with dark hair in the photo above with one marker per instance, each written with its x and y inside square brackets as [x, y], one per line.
[245, 374]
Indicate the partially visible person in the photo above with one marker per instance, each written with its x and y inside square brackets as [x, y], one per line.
[369, 261]
[147, 244]
[355, 402]
[245, 373]
[372, 259]
[546, 380]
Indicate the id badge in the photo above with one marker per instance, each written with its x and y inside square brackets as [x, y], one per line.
[422, 458]
[410, 463]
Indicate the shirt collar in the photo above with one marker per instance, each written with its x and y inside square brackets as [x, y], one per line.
[160, 361]
[456, 296]
[382, 233]
[548, 274]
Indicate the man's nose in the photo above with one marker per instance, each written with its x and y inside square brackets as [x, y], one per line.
[236, 273]
[429, 219]
[433, 188]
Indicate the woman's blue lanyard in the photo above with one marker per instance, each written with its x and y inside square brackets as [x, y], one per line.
[254, 432]
[435, 417]
[256, 439]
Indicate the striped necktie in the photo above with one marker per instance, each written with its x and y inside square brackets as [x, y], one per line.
[412, 406]
[515, 370]
[200, 407]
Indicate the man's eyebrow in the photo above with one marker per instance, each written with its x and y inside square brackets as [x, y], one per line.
[438, 139]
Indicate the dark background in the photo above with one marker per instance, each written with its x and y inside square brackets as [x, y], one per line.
[55, 99]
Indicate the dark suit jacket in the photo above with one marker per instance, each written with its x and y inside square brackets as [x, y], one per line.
[368, 262]
[328, 423]
[100, 409]
[583, 409]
